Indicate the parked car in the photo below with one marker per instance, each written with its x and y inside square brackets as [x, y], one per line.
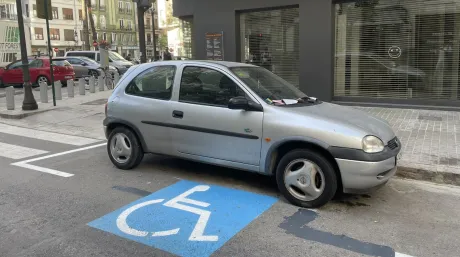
[245, 117]
[85, 67]
[115, 59]
[39, 71]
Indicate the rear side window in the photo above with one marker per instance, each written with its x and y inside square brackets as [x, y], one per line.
[85, 54]
[156, 82]
[35, 64]
[61, 63]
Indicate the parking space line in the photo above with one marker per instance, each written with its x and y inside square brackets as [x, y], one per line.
[45, 135]
[25, 164]
[18, 152]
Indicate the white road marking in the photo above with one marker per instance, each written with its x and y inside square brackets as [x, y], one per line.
[18, 152]
[48, 136]
[25, 164]
[198, 231]
[125, 228]
[402, 255]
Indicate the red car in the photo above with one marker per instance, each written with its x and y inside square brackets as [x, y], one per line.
[39, 71]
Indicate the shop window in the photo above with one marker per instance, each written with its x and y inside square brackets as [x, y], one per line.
[402, 50]
[186, 27]
[270, 39]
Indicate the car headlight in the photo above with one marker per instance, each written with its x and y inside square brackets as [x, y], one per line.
[372, 144]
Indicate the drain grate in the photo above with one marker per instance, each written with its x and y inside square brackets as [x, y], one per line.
[96, 102]
[431, 118]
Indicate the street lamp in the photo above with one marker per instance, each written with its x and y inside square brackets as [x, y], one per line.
[152, 12]
[29, 102]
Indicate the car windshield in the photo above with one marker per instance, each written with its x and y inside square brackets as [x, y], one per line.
[116, 57]
[268, 86]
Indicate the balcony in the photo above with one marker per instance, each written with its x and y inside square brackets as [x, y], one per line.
[121, 10]
[7, 16]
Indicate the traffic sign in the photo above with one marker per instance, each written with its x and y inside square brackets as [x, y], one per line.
[186, 218]
[43, 13]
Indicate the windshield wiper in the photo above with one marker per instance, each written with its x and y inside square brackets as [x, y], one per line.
[309, 99]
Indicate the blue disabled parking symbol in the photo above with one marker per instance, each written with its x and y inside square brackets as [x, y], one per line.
[186, 218]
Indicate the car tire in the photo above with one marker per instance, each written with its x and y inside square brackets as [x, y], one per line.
[124, 148]
[43, 79]
[93, 73]
[302, 170]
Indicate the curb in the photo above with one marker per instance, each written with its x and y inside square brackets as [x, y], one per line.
[19, 116]
[427, 175]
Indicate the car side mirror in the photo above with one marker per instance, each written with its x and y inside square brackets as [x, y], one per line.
[241, 103]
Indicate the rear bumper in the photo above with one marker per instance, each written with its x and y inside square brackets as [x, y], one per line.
[362, 176]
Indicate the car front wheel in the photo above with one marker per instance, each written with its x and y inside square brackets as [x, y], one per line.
[306, 178]
[42, 79]
[124, 148]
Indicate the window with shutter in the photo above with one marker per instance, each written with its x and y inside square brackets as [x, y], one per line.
[270, 39]
[398, 49]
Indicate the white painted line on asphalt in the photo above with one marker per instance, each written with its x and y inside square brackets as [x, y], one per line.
[18, 152]
[25, 164]
[402, 255]
[45, 135]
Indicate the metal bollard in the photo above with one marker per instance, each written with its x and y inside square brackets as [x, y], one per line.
[100, 83]
[9, 98]
[58, 90]
[43, 92]
[92, 86]
[70, 90]
[81, 86]
[117, 78]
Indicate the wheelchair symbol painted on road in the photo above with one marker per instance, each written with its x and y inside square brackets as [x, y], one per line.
[197, 233]
[186, 218]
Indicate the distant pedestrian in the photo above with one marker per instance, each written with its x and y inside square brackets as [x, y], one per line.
[167, 55]
[128, 58]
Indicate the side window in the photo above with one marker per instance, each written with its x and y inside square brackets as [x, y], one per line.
[154, 83]
[36, 64]
[15, 65]
[98, 58]
[207, 86]
[74, 61]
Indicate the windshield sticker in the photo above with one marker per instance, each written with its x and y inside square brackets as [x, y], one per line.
[242, 74]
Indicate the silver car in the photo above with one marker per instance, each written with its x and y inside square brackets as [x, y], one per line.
[86, 67]
[245, 117]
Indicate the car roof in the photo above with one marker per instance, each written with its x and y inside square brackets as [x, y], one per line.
[219, 63]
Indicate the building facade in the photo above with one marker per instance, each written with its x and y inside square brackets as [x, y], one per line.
[10, 49]
[115, 22]
[64, 27]
[403, 52]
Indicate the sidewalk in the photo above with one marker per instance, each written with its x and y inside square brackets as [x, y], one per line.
[431, 139]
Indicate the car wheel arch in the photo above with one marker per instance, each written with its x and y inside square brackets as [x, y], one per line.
[277, 151]
[111, 125]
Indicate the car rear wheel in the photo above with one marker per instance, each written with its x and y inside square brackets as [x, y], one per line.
[306, 178]
[42, 79]
[93, 73]
[124, 148]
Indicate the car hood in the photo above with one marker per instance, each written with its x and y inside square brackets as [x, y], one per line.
[348, 116]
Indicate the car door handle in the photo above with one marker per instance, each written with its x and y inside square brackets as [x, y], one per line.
[178, 114]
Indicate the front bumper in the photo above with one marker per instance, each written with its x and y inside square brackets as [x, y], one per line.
[362, 176]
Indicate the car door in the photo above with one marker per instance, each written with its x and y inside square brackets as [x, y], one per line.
[78, 67]
[12, 73]
[146, 105]
[204, 126]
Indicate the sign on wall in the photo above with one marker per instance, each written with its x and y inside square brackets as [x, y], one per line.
[215, 46]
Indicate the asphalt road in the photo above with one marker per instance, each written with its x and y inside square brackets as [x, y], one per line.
[47, 215]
